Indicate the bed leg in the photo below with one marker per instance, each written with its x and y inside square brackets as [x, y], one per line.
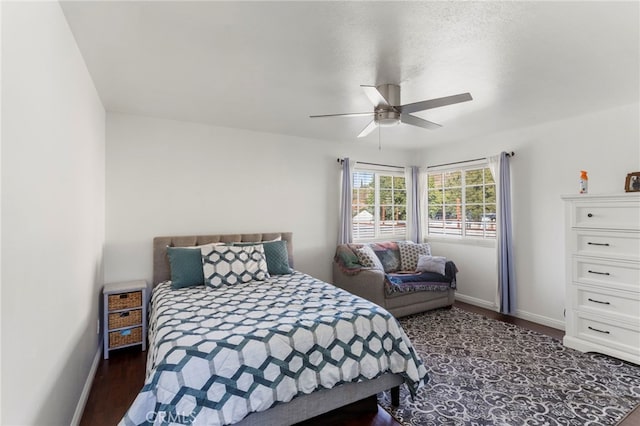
[395, 396]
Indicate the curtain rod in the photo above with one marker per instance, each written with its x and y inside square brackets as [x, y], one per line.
[509, 154]
[340, 160]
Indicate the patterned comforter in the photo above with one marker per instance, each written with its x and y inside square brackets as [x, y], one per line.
[215, 356]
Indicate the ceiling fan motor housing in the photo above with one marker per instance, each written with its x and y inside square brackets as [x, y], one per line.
[387, 118]
[386, 115]
[391, 92]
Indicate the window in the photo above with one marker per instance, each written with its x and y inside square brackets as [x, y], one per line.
[378, 205]
[462, 203]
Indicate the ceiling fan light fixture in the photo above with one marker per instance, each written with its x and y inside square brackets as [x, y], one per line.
[387, 118]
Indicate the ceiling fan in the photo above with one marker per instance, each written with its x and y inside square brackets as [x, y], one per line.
[388, 111]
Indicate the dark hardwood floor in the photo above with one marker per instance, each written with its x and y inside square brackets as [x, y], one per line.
[119, 379]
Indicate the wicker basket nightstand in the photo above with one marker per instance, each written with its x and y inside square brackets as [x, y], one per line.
[125, 315]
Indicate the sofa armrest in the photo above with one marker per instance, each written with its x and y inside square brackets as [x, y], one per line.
[368, 283]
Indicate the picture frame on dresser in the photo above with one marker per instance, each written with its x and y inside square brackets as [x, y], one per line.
[632, 182]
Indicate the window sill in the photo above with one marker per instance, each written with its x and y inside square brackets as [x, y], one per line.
[478, 242]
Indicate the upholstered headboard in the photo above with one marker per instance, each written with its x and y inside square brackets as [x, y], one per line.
[161, 270]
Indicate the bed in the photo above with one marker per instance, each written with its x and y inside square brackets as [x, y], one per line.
[274, 351]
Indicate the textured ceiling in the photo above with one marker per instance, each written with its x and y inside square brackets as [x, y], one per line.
[267, 66]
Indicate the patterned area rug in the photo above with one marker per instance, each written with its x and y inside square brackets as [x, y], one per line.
[487, 372]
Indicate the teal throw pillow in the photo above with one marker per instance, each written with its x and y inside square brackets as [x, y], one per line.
[277, 257]
[186, 267]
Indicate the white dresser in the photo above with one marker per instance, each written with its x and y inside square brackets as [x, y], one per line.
[603, 274]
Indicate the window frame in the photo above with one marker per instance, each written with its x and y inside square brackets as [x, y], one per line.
[377, 173]
[485, 238]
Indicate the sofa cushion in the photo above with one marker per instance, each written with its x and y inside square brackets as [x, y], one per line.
[410, 252]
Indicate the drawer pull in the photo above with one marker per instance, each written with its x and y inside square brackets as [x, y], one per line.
[590, 215]
[599, 273]
[597, 301]
[599, 331]
[598, 244]
[124, 296]
[126, 314]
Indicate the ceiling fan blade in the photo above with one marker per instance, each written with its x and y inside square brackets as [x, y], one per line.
[375, 96]
[349, 114]
[370, 127]
[416, 121]
[434, 103]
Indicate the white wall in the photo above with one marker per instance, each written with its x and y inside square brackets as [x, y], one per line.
[176, 178]
[547, 164]
[53, 131]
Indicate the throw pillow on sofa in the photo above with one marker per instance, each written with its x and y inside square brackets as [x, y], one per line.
[410, 252]
[367, 257]
[431, 264]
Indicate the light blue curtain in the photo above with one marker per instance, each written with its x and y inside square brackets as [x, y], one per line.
[344, 233]
[506, 275]
[415, 232]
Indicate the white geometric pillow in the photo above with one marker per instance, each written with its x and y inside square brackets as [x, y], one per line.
[229, 265]
[410, 252]
[367, 257]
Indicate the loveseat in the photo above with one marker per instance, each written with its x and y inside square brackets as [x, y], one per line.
[386, 274]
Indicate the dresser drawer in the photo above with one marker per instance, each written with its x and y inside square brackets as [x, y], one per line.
[125, 319]
[618, 336]
[125, 300]
[620, 275]
[606, 215]
[625, 306]
[125, 337]
[617, 245]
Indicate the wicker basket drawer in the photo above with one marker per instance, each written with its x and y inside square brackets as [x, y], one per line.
[125, 300]
[125, 319]
[125, 337]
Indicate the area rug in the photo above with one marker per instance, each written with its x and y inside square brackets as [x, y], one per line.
[487, 372]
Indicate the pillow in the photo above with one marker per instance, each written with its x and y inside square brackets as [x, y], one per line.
[368, 258]
[229, 265]
[409, 253]
[276, 253]
[186, 267]
[388, 254]
[277, 257]
[431, 264]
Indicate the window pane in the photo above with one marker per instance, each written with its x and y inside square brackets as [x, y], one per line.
[435, 181]
[453, 196]
[490, 194]
[452, 179]
[488, 177]
[363, 179]
[453, 227]
[473, 177]
[400, 197]
[386, 196]
[386, 181]
[386, 213]
[399, 182]
[474, 194]
[435, 196]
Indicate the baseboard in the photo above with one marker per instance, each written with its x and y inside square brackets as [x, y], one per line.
[84, 396]
[538, 319]
[476, 302]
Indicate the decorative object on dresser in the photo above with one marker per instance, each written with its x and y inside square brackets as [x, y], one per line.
[603, 274]
[125, 315]
[632, 183]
